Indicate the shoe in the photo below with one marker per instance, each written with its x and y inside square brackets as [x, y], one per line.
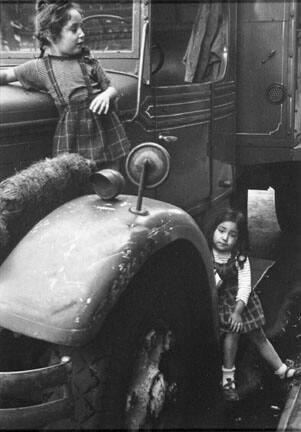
[291, 366]
[229, 391]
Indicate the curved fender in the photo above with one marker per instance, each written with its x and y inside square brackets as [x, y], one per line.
[62, 279]
[38, 106]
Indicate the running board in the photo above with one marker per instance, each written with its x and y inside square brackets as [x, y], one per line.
[23, 383]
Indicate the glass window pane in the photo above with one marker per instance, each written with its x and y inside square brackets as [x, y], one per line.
[107, 24]
[17, 26]
[189, 41]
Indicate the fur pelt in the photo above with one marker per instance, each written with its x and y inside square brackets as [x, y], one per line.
[32, 193]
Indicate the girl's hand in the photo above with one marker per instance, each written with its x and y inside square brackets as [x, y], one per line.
[101, 103]
[235, 322]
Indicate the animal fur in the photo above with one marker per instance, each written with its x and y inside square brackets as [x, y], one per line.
[32, 193]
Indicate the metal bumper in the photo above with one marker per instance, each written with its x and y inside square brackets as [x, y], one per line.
[14, 385]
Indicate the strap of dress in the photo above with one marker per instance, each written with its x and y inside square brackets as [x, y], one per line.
[53, 80]
[227, 270]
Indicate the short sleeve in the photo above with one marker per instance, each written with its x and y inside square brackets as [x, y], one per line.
[28, 75]
[100, 75]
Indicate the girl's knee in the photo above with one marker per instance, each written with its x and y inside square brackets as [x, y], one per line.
[233, 336]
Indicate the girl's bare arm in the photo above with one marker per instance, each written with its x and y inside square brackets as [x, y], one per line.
[235, 320]
[7, 76]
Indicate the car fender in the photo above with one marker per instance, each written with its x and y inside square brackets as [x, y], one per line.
[63, 278]
[20, 107]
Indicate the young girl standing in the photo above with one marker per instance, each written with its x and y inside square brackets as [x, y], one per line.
[81, 90]
[240, 310]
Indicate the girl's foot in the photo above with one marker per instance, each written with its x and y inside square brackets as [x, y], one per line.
[292, 372]
[229, 391]
[288, 371]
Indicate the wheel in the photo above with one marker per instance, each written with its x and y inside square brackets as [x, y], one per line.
[288, 199]
[143, 369]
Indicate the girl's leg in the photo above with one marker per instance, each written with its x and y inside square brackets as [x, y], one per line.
[229, 356]
[230, 349]
[228, 368]
[269, 353]
[265, 348]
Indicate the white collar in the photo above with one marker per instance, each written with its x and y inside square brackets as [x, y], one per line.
[221, 255]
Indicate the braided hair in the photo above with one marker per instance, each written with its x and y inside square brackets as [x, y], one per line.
[51, 17]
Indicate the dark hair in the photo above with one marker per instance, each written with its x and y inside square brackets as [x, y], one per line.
[50, 19]
[229, 215]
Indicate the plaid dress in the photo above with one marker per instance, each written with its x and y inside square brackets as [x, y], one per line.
[79, 130]
[252, 315]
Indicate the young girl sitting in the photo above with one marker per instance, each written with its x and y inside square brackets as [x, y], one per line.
[81, 90]
[240, 310]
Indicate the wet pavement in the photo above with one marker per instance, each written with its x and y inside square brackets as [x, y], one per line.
[264, 395]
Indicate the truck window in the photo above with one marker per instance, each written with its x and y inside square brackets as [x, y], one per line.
[190, 39]
[109, 27]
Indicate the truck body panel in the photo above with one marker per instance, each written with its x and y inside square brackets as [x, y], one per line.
[266, 82]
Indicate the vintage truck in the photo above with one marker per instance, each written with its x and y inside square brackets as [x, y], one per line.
[109, 298]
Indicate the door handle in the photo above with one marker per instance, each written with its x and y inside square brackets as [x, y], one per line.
[269, 56]
[167, 138]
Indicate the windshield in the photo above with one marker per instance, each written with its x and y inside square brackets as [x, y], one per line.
[108, 26]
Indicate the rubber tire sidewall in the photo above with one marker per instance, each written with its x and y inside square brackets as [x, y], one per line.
[102, 369]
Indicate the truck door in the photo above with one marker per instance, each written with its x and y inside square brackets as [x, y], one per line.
[191, 99]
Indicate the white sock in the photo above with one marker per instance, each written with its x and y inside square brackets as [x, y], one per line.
[281, 371]
[228, 374]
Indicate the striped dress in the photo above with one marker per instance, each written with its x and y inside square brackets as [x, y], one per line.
[236, 285]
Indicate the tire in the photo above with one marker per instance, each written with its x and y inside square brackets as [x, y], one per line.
[144, 368]
[288, 199]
